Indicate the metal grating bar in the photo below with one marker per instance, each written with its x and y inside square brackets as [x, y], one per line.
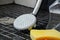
[9, 34]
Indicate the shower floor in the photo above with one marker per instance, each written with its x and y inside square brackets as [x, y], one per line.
[7, 32]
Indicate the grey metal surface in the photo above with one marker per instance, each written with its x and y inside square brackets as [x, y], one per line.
[7, 32]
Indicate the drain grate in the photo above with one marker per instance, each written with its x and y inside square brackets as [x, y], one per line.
[7, 32]
[11, 33]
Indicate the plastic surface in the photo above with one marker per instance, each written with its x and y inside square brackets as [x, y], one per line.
[24, 21]
[28, 3]
[2, 2]
[54, 17]
[55, 7]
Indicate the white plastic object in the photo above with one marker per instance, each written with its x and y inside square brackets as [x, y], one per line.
[37, 7]
[5, 1]
[55, 7]
[24, 21]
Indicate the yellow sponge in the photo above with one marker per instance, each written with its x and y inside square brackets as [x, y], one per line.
[45, 35]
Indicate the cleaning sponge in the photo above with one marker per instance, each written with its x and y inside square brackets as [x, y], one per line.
[45, 35]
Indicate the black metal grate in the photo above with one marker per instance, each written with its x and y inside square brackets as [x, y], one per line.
[7, 32]
[11, 33]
